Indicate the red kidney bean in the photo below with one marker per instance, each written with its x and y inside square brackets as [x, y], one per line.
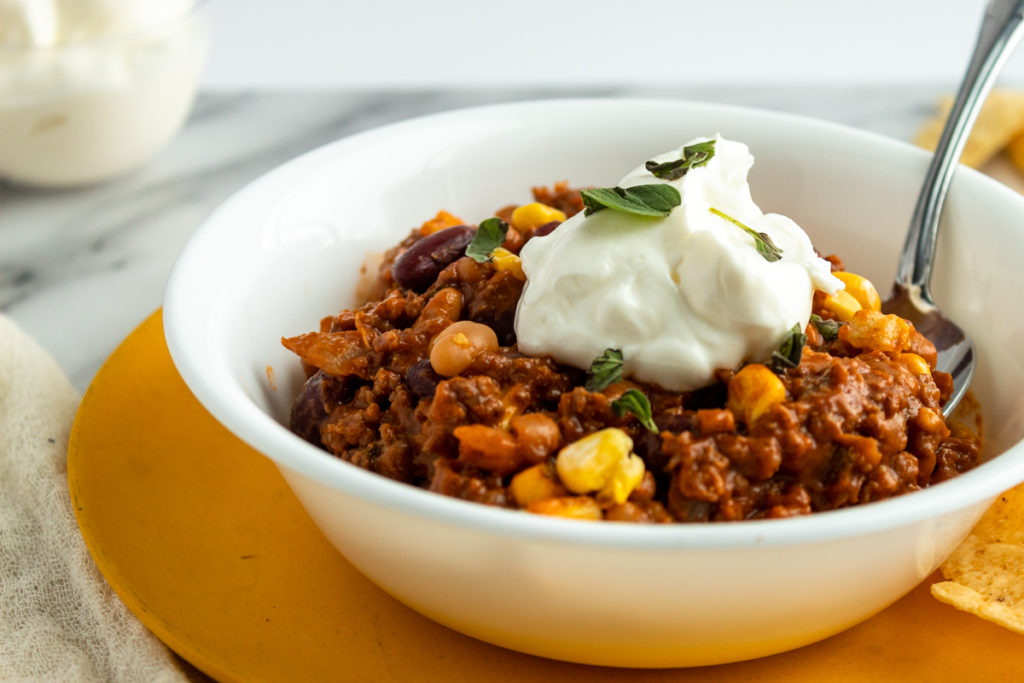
[320, 394]
[418, 266]
[503, 323]
[546, 228]
[422, 379]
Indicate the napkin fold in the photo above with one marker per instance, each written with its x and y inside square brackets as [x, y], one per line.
[59, 620]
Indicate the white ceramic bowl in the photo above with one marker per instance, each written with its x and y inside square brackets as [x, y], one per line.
[286, 250]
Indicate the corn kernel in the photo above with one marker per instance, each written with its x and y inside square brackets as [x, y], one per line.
[530, 216]
[586, 465]
[861, 289]
[753, 391]
[602, 462]
[442, 220]
[505, 260]
[534, 484]
[931, 421]
[916, 364]
[872, 330]
[842, 304]
[627, 475]
[572, 507]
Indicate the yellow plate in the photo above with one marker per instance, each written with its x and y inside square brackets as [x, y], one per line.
[202, 539]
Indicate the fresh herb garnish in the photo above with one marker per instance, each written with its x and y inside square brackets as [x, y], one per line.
[634, 401]
[604, 370]
[829, 329]
[693, 156]
[489, 236]
[762, 242]
[788, 355]
[656, 199]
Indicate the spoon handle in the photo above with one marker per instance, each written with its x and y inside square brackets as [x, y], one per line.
[1000, 32]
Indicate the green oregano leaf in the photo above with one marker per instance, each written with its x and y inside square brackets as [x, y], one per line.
[634, 401]
[762, 242]
[697, 154]
[789, 353]
[604, 370]
[657, 199]
[489, 236]
[829, 329]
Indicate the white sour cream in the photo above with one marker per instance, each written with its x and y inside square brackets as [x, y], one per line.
[681, 296]
[91, 88]
[46, 23]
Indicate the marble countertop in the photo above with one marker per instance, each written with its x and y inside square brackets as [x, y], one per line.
[79, 269]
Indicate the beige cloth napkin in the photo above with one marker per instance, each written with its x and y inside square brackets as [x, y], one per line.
[59, 620]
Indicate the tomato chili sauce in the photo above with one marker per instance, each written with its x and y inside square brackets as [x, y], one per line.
[846, 413]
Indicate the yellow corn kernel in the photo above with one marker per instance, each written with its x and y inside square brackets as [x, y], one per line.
[916, 364]
[627, 475]
[861, 289]
[533, 484]
[872, 330]
[931, 421]
[602, 462]
[753, 390]
[505, 260]
[573, 507]
[442, 220]
[842, 304]
[586, 465]
[530, 216]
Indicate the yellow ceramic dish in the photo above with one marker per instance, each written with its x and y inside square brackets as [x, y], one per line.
[206, 544]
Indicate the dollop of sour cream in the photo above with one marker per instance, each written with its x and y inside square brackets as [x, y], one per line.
[49, 23]
[680, 296]
[91, 88]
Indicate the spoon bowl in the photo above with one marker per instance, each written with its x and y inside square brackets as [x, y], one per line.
[955, 349]
[1001, 30]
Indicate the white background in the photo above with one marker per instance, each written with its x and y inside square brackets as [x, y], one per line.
[426, 43]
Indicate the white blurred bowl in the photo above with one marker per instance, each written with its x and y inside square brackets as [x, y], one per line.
[286, 250]
[91, 109]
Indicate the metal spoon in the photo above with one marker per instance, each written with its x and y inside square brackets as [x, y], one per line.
[911, 297]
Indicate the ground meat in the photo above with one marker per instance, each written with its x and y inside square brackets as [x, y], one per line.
[858, 422]
[561, 197]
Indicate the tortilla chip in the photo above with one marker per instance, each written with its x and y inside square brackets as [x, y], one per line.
[986, 572]
[1015, 150]
[1000, 121]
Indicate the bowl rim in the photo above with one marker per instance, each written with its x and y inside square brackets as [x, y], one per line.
[231, 406]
